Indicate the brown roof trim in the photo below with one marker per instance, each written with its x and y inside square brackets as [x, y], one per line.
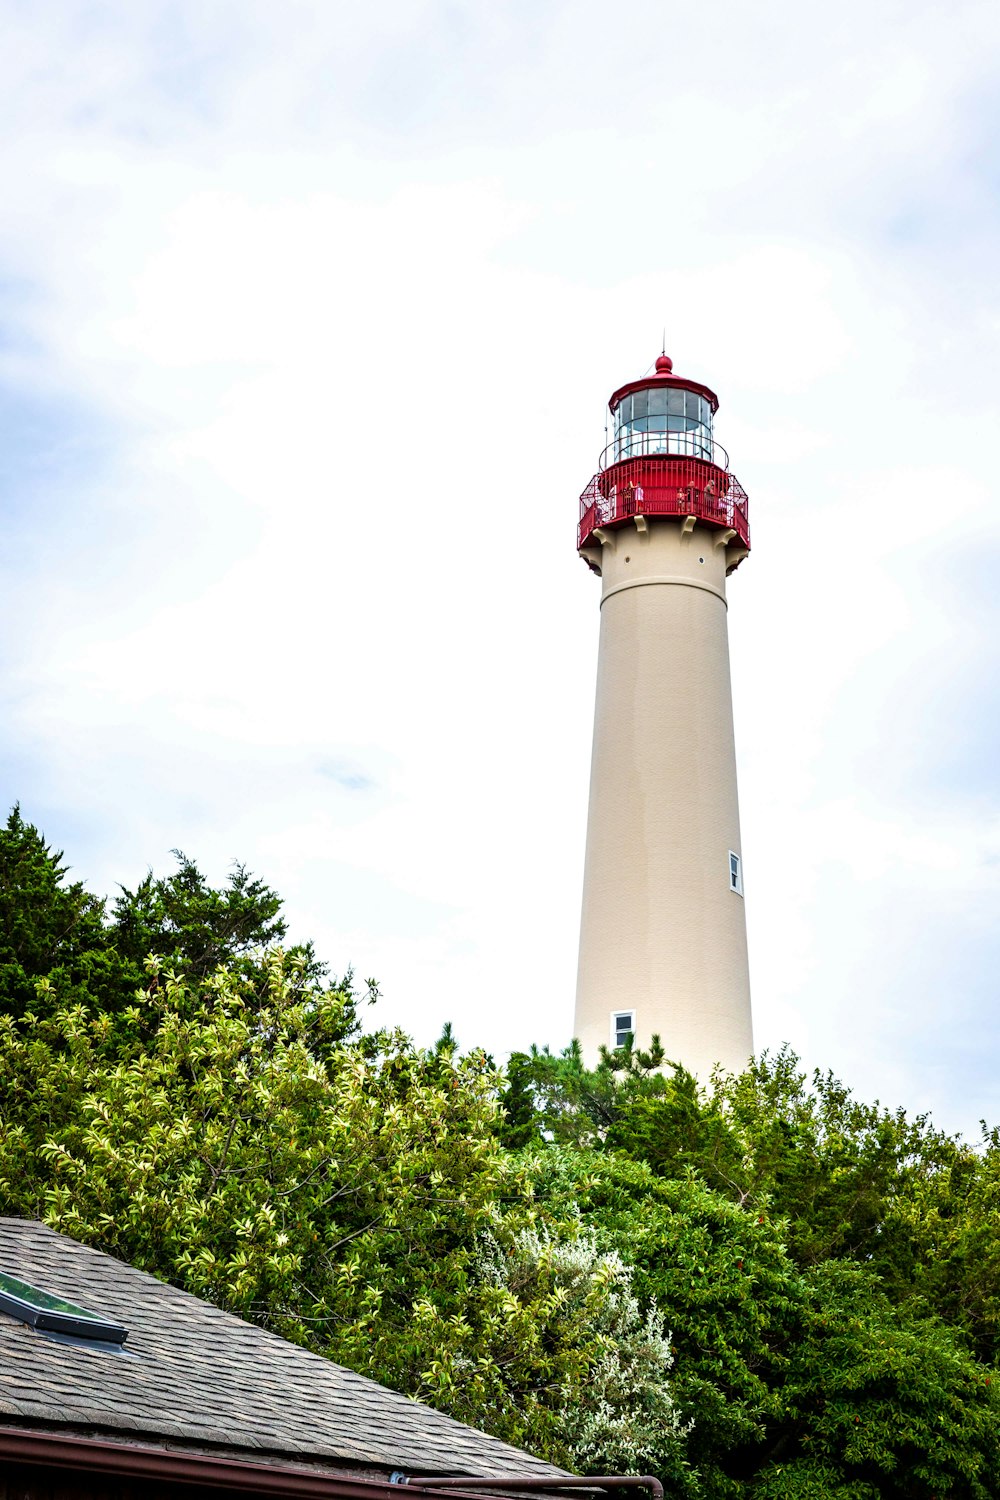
[93, 1456]
[525, 1484]
[80, 1455]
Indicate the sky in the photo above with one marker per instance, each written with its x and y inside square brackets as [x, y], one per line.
[309, 315]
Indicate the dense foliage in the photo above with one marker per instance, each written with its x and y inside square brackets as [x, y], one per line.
[760, 1287]
[54, 930]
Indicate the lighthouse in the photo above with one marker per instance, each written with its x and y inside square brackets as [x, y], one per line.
[663, 947]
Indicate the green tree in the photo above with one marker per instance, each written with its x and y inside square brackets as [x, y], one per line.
[798, 1381]
[879, 1404]
[829, 1164]
[348, 1192]
[850, 1180]
[520, 1117]
[577, 1105]
[563, 1327]
[939, 1249]
[719, 1275]
[48, 925]
[51, 928]
[183, 917]
[760, 1286]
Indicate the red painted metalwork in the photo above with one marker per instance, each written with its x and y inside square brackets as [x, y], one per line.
[663, 484]
[664, 472]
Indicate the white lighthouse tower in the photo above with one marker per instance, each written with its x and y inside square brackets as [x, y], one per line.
[663, 946]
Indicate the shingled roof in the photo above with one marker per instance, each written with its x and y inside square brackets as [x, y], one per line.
[193, 1375]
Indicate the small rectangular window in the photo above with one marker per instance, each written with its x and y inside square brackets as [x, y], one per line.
[622, 1027]
[735, 873]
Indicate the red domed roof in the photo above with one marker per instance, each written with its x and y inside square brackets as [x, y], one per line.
[663, 374]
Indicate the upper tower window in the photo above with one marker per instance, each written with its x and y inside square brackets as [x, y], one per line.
[663, 419]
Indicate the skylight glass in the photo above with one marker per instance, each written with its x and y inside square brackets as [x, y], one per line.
[55, 1314]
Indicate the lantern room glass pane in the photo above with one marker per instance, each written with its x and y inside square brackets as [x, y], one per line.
[663, 419]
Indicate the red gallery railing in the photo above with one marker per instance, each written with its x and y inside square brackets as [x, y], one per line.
[664, 484]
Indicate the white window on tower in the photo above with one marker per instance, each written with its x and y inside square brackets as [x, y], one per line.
[735, 873]
[622, 1027]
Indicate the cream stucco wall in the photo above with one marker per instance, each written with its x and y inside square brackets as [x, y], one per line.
[662, 933]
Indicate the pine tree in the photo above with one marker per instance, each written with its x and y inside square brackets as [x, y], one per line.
[48, 926]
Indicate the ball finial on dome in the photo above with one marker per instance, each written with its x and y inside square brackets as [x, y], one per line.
[664, 364]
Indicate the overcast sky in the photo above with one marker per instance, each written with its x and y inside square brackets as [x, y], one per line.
[309, 313]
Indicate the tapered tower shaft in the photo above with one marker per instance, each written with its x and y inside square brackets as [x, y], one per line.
[663, 935]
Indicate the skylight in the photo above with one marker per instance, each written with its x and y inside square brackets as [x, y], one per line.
[54, 1314]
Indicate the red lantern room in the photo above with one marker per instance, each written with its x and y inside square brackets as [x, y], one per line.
[663, 461]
